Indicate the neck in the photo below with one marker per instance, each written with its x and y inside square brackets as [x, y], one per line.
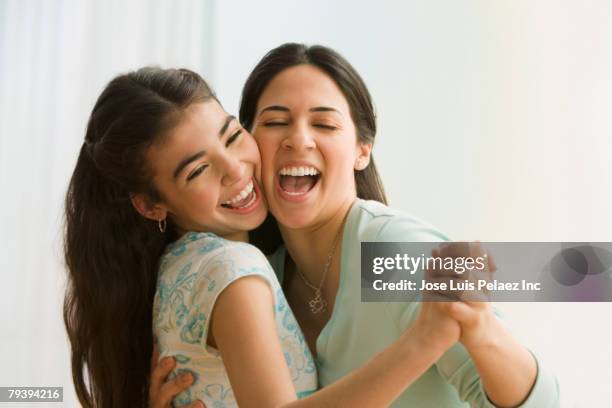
[310, 247]
[242, 236]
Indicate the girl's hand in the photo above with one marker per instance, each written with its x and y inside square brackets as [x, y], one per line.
[473, 310]
[161, 392]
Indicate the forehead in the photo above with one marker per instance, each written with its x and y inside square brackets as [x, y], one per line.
[199, 119]
[197, 129]
[303, 86]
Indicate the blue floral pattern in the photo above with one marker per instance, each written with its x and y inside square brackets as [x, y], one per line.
[193, 272]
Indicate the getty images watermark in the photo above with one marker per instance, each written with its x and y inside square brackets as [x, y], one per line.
[495, 271]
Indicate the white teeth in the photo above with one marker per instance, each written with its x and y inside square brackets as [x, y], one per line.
[298, 171]
[242, 195]
[251, 201]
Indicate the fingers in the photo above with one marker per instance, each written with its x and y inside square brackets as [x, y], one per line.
[491, 261]
[172, 388]
[461, 249]
[196, 404]
[461, 312]
[468, 284]
[154, 355]
[473, 250]
[159, 374]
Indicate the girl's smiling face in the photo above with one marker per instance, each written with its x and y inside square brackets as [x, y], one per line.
[308, 144]
[206, 170]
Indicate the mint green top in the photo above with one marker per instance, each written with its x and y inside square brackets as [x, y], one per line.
[357, 331]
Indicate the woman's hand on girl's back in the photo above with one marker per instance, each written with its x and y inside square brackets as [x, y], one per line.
[162, 391]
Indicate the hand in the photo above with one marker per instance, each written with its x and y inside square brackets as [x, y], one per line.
[435, 325]
[161, 392]
[507, 370]
[473, 312]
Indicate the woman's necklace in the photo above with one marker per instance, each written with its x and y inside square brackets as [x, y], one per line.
[317, 303]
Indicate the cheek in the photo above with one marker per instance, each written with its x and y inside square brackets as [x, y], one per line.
[249, 143]
[339, 156]
[266, 151]
[200, 203]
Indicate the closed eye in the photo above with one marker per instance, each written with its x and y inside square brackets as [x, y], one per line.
[272, 124]
[327, 127]
[196, 172]
[233, 138]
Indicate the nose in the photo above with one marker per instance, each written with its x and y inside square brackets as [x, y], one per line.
[299, 138]
[233, 170]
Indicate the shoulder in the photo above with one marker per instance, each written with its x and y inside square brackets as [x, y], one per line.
[376, 222]
[208, 254]
[193, 245]
[234, 260]
[209, 264]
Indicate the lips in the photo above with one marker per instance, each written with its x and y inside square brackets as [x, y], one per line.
[296, 180]
[242, 197]
[246, 201]
[297, 185]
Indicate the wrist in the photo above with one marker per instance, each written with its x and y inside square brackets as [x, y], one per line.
[490, 338]
[429, 343]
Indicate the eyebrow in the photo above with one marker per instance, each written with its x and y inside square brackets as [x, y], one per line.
[185, 162]
[226, 124]
[274, 108]
[285, 109]
[324, 109]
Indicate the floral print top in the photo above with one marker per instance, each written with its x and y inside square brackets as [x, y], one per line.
[193, 271]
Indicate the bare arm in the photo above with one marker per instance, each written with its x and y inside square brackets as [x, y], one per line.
[507, 370]
[247, 339]
[505, 388]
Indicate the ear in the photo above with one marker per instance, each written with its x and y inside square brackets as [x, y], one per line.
[363, 154]
[145, 207]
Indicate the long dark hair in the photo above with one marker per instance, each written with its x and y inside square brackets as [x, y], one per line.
[367, 182]
[111, 251]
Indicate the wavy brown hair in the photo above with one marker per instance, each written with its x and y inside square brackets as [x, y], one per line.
[111, 251]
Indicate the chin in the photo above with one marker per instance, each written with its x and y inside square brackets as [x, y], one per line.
[294, 219]
[256, 220]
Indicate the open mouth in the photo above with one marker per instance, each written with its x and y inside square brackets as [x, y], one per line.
[297, 181]
[243, 200]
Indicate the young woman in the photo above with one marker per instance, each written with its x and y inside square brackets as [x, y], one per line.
[165, 173]
[309, 109]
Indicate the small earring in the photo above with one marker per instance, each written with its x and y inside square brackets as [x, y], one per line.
[162, 225]
[359, 165]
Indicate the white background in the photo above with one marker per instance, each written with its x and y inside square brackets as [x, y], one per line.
[494, 124]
